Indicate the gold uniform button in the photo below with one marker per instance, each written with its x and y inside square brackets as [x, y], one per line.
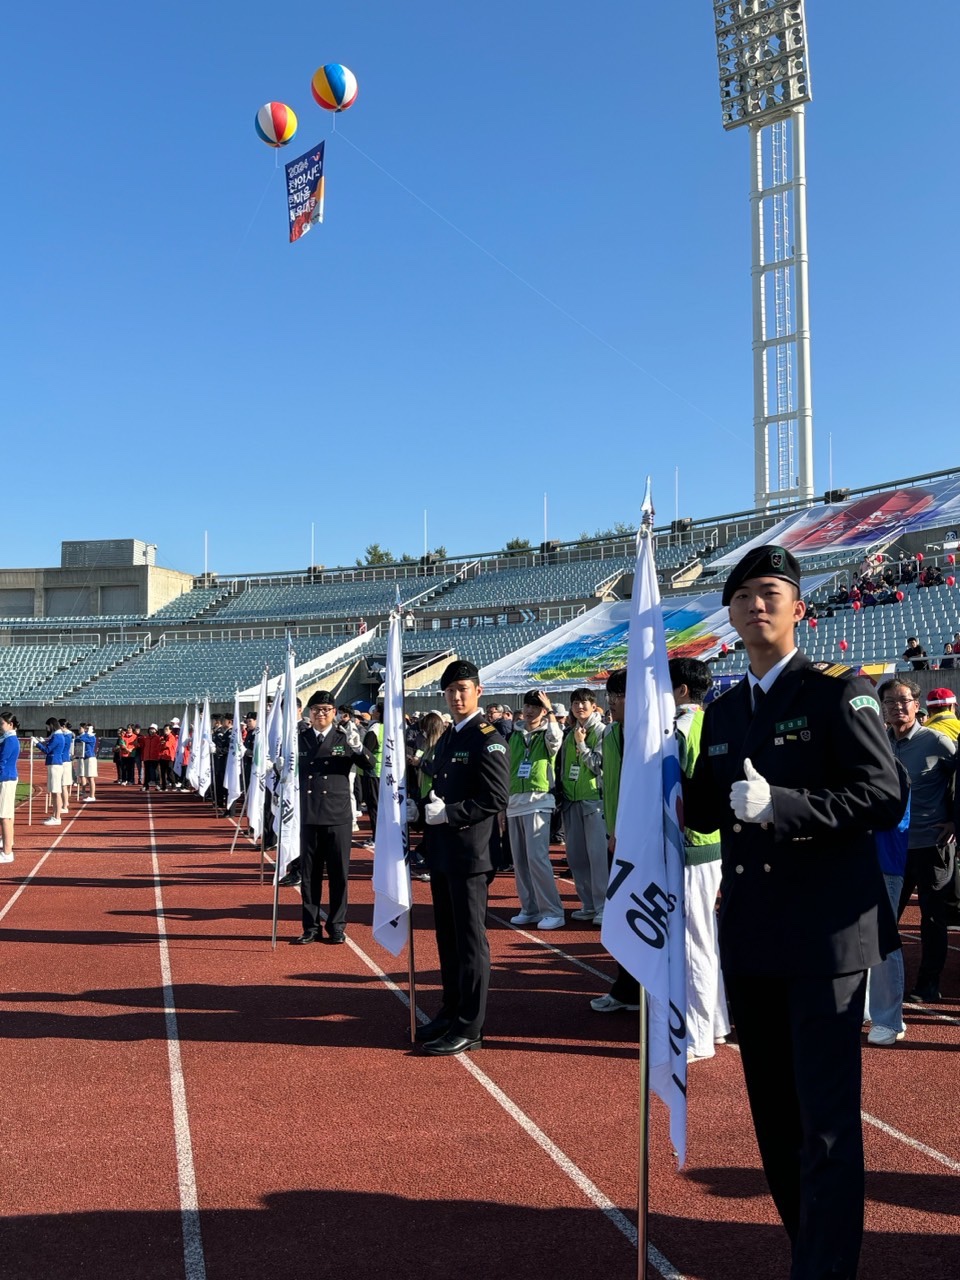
[737, 827]
[738, 869]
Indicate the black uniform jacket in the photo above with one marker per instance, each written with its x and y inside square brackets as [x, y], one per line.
[471, 774]
[325, 776]
[803, 893]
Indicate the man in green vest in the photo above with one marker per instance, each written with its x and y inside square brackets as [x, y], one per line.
[707, 1021]
[625, 992]
[579, 768]
[532, 747]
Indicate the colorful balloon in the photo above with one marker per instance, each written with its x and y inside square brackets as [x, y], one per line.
[899, 595]
[844, 646]
[334, 87]
[951, 558]
[724, 649]
[812, 622]
[919, 557]
[951, 581]
[276, 124]
[856, 606]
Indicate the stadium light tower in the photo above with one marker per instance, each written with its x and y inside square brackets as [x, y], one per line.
[764, 83]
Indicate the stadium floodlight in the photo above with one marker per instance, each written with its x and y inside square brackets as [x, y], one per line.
[762, 52]
[765, 84]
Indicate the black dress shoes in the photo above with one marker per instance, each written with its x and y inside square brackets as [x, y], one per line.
[291, 878]
[452, 1043]
[433, 1030]
[310, 936]
[336, 936]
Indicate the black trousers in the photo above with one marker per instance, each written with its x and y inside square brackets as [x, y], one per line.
[800, 1045]
[370, 788]
[324, 849]
[460, 920]
[930, 872]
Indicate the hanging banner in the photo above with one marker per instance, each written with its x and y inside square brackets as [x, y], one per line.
[305, 192]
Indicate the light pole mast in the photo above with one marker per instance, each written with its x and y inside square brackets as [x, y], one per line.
[764, 84]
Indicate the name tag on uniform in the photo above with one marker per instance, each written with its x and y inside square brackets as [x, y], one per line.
[523, 770]
[718, 749]
[574, 772]
[784, 725]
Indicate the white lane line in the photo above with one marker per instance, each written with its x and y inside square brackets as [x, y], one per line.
[193, 1260]
[912, 1142]
[576, 1175]
[910, 937]
[30, 874]
[550, 946]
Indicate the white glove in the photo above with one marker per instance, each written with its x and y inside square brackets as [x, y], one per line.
[751, 800]
[413, 813]
[35, 741]
[435, 811]
[278, 765]
[354, 741]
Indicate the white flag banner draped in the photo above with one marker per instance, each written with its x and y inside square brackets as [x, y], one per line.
[391, 876]
[182, 742]
[256, 793]
[193, 768]
[203, 746]
[233, 774]
[288, 787]
[644, 918]
[274, 734]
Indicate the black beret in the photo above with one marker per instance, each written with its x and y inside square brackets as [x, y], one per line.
[763, 562]
[322, 697]
[459, 670]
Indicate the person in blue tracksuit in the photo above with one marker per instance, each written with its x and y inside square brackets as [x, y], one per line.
[9, 755]
[56, 748]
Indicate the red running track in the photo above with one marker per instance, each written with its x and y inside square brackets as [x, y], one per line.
[180, 1100]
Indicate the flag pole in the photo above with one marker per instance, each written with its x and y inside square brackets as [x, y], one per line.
[411, 976]
[643, 1155]
[30, 801]
[276, 877]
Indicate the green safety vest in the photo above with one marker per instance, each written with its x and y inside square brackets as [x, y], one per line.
[378, 754]
[541, 765]
[698, 847]
[586, 785]
[612, 764]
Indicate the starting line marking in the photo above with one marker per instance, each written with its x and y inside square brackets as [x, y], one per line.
[193, 1260]
[560, 1158]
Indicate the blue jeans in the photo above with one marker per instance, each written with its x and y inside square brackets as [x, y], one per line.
[885, 980]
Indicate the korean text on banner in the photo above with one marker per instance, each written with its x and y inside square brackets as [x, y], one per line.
[391, 875]
[305, 192]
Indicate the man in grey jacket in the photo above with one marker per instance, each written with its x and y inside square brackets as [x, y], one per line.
[930, 760]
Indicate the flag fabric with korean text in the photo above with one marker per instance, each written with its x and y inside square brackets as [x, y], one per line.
[288, 786]
[644, 917]
[233, 774]
[182, 742]
[256, 793]
[274, 736]
[203, 746]
[391, 876]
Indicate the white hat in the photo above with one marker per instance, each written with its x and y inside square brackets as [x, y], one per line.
[153, 726]
[175, 720]
[559, 709]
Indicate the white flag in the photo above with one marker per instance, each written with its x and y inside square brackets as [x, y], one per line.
[644, 918]
[233, 775]
[274, 734]
[288, 787]
[391, 875]
[203, 747]
[193, 768]
[182, 742]
[258, 769]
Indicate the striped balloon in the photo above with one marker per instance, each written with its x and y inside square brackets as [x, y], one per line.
[276, 124]
[334, 87]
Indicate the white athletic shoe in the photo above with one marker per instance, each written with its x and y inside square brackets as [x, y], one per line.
[51, 822]
[525, 917]
[551, 922]
[6, 857]
[89, 799]
[885, 1036]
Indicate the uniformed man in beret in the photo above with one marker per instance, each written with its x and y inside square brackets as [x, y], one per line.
[795, 771]
[471, 786]
[327, 752]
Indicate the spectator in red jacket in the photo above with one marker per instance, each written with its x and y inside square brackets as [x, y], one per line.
[168, 751]
[150, 744]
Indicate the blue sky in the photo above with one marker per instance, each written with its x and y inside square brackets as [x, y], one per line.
[533, 275]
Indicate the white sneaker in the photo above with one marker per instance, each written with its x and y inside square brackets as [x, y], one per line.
[884, 1035]
[51, 822]
[551, 922]
[583, 913]
[525, 917]
[693, 1056]
[610, 1004]
[6, 857]
[89, 799]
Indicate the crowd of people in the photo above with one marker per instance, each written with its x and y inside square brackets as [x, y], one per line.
[815, 806]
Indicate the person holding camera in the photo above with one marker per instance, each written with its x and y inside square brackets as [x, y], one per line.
[533, 747]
